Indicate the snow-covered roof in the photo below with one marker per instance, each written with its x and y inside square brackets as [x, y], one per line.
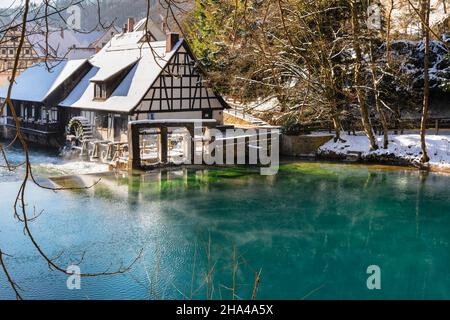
[140, 62]
[122, 52]
[104, 38]
[81, 53]
[110, 69]
[39, 81]
[154, 29]
[85, 39]
[62, 42]
[69, 68]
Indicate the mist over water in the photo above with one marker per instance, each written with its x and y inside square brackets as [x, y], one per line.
[46, 163]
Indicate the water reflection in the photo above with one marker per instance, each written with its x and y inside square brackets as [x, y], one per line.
[311, 226]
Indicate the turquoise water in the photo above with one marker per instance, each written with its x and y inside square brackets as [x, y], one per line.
[312, 231]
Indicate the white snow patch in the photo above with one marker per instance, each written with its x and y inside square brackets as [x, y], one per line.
[260, 105]
[404, 12]
[406, 146]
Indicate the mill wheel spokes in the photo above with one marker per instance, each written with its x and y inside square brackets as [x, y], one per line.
[81, 129]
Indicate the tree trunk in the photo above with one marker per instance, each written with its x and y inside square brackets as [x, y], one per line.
[359, 92]
[336, 124]
[377, 99]
[426, 77]
[388, 31]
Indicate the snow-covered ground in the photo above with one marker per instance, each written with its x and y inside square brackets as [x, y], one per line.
[406, 147]
[403, 13]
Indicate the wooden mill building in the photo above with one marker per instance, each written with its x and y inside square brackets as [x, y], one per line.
[133, 77]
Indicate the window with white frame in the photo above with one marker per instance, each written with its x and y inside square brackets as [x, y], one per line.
[100, 91]
[44, 114]
[53, 114]
[88, 115]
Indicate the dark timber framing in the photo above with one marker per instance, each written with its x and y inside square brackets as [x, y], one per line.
[178, 86]
[181, 68]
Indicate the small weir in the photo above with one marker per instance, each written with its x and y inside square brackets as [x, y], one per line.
[95, 151]
[160, 143]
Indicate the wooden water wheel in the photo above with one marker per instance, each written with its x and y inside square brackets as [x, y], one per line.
[81, 129]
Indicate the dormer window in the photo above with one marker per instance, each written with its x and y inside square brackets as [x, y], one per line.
[108, 79]
[100, 91]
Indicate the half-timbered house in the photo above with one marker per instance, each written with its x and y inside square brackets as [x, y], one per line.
[133, 77]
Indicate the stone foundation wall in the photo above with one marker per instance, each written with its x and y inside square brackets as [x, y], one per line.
[304, 145]
[52, 141]
[229, 119]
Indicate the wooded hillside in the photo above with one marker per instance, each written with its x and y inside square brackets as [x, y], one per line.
[337, 63]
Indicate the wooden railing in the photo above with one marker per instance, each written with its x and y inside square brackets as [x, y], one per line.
[36, 125]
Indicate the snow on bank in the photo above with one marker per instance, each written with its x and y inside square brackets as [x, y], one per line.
[406, 147]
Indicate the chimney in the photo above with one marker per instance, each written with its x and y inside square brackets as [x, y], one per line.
[130, 24]
[171, 40]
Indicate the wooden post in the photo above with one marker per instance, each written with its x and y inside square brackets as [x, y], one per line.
[437, 127]
[193, 144]
[158, 143]
[164, 145]
[134, 154]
